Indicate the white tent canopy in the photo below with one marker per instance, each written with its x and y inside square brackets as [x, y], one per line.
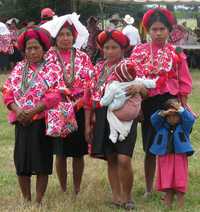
[144, 1]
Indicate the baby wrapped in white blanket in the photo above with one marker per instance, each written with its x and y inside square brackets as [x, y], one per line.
[122, 110]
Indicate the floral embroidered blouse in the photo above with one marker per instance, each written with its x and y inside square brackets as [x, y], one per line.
[40, 88]
[99, 81]
[165, 64]
[72, 79]
[6, 44]
[83, 71]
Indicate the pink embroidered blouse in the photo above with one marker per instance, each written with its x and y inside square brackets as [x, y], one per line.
[41, 89]
[61, 120]
[164, 63]
[96, 87]
[83, 71]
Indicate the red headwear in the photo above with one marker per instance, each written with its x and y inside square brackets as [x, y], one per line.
[125, 71]
[168, 14]
[37, 33]
[47, 12]
[115, 35]
[71, 28]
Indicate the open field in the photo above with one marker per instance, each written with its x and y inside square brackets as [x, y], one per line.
[95, 188]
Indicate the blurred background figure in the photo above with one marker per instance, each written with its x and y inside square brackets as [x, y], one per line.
[131, 32]
[14, 32]
[12, 26]
[6, 47]
[178, 35]
[115, 23]
[93, 29]
[46, 15]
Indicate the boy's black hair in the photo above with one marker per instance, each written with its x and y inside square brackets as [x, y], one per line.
[168, 104]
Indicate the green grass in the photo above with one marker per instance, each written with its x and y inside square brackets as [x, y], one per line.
[95, 190]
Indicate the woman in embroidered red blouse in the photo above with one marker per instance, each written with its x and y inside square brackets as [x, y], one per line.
[118, 155]
[161, 60]
[75, 69]
[27, 93]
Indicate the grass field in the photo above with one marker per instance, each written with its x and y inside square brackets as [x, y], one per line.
[95, 191]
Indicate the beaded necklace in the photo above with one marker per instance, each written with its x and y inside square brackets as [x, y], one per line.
[105, 73]
[25, 84]
[68, 81]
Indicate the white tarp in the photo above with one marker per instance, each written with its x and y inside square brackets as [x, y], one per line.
[144, 1]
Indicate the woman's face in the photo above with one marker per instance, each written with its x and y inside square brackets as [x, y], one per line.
[112, 51]
[159, 32]
[64, 39]
[34, 52]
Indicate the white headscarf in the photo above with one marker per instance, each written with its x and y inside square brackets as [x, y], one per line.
[4, 29]
[54, 26]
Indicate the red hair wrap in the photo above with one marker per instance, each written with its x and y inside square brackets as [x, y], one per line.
[37, 33]
[115, 35]
[167, 13]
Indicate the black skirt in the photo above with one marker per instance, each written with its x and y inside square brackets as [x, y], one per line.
[33, 153]
[74, 145]
[102, 146]
[150, 106]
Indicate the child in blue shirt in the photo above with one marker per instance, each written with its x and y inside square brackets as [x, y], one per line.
[172, 146]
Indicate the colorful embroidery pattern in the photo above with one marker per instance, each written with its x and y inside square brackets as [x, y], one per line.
[61, 120]
[98, 87]
[37, 89]
[161, 64]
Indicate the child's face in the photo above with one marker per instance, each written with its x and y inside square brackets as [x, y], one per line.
[173, 119]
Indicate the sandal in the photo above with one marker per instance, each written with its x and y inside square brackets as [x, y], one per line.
[130, 205]
[115, 204]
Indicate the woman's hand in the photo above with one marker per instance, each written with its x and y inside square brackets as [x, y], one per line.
[134, 89]
[90, 119]
[89, 134]
[25, 117]
[21, 115]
